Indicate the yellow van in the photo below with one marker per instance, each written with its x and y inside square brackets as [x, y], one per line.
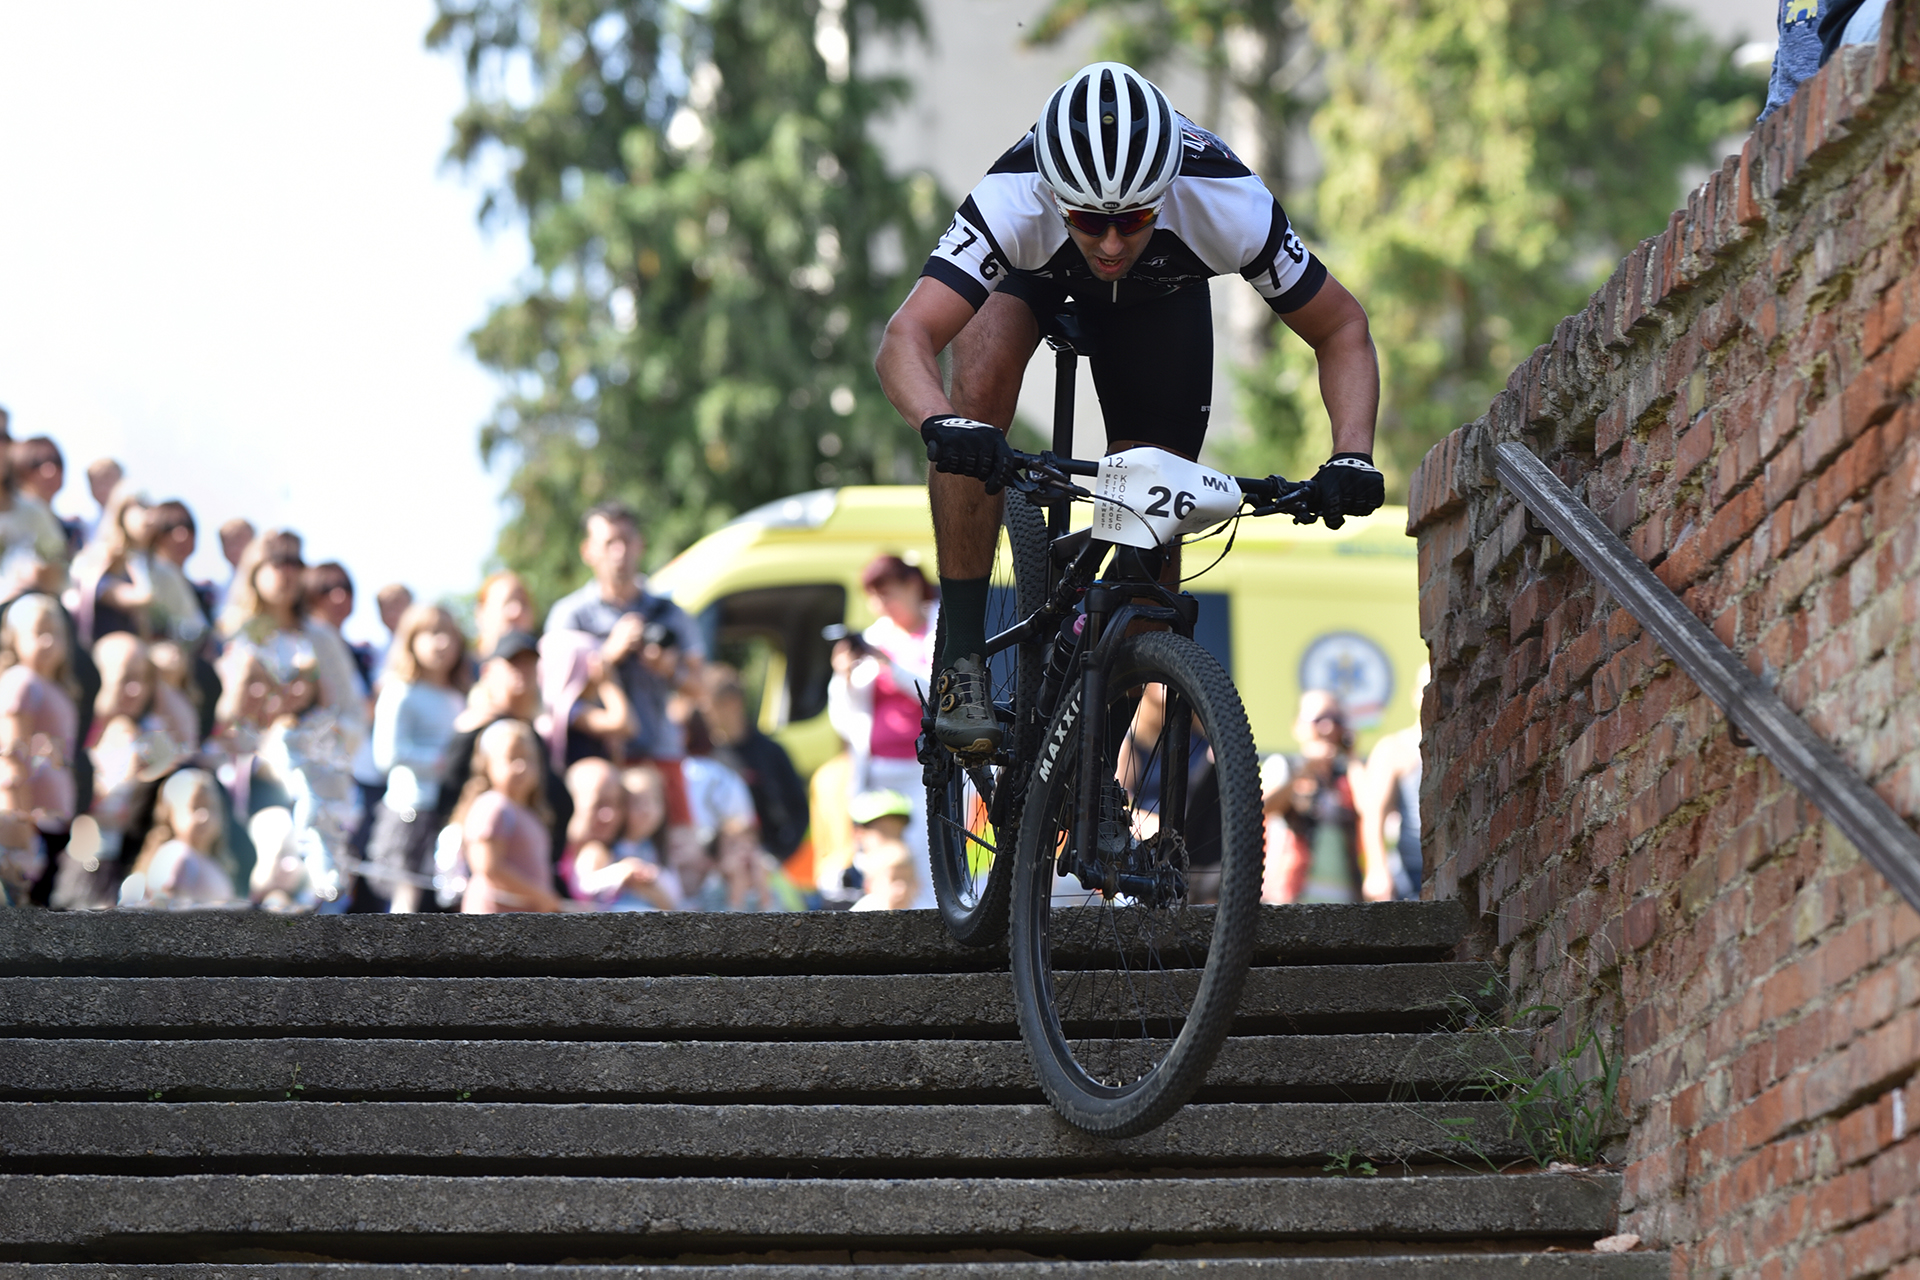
[1292, 606]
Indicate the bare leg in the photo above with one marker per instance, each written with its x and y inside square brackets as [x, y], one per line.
[989, 360]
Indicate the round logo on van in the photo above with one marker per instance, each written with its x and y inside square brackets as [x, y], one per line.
[1353, 669]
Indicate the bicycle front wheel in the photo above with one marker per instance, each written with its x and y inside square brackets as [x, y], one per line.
[970, 823]
[1125, 984]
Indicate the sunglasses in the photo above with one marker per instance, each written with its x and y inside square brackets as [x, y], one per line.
[1129, 222]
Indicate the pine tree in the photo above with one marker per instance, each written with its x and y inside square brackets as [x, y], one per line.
[716, 242]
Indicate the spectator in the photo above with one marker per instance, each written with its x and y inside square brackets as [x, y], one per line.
[779, 797]
[1797, 56]
[722, 869]
[873, 699]
[887, 866]
[601, 864]
[291, 698]
[505, 833]
[33, 546]
[1312, 844]
[1845, 22]
[184, 861]
[103, 477]
[503, 605]
[172, 700]
[393, 601]
[1389, 810]
[131, 744]
[330, 601]
[507, 689]
[235, 537]
[42, 473]
[649, 643]
[112, 594]
[175, 609]
[39, 733]
[587, 712]
[421, 699]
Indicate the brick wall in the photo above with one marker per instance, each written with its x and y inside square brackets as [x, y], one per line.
[1737, 403]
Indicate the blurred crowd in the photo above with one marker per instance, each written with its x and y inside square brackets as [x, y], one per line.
[169, 743]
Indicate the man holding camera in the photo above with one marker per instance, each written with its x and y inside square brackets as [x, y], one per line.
[648, 641]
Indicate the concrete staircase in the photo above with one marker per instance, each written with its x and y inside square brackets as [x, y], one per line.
[737, 1097]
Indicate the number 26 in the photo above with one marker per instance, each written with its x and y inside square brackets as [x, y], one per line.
[1183, 502]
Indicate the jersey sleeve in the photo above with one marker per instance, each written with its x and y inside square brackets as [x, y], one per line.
[1008, 222]
[1229, 218]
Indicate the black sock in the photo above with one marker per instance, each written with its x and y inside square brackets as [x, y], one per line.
[963, 608]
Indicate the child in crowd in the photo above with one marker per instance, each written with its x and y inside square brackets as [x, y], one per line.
[504, 606]
[887, 866]
[413, 725]
[588, 714]
[606, 867]
[504, 823]
[184, 862]
[172, 700]
[38, 723]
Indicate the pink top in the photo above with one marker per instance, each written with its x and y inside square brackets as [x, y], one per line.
[40, 742]
[896, 708]
[520, 843]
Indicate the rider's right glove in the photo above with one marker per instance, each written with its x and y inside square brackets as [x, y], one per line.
[963, 447]
[1349, 485]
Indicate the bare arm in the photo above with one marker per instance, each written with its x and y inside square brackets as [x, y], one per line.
[909, 359]
[1335, 325]
[486, 864]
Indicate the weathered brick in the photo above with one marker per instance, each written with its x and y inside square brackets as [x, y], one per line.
[1745, 419]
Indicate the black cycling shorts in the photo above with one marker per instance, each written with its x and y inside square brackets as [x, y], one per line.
[1152, 359]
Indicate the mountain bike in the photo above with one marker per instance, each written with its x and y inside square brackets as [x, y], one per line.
[1117, 831]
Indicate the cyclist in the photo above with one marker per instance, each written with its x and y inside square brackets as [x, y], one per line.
[1120, 203]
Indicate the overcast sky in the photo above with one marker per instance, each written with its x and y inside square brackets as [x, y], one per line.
[230, 257]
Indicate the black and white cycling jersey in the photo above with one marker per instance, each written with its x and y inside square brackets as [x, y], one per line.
[1218, 218]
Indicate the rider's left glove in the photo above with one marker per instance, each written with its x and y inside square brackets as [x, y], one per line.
[961, 446]
[1349, 485]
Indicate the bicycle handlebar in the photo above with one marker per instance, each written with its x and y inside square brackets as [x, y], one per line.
[1271, 495]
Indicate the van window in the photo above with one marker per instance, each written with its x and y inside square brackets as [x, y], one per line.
[772, 635]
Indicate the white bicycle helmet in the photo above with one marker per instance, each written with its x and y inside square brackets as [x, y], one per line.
[1108, 140]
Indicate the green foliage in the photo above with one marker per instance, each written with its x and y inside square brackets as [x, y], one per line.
[1346, 1164]
[716, 244]
[1485, 165]
[1562, 1112]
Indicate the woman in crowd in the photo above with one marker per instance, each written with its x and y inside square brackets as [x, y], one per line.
[290, 709]
[1312, 824]
[504, 824]
[504, 605]
[106, 596]
[33, 546]
[130, 744]
[413, 725]
[873, 699]
[184, 861]
[38, 725]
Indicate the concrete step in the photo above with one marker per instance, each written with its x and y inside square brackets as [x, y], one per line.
[1476, 1266]
[139, 944]
[675, 1139]
[1353, 1067]
[392, 1218]
[1406, 997]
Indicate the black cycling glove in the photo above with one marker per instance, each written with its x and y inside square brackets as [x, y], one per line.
[1349, 485]
[963, 447]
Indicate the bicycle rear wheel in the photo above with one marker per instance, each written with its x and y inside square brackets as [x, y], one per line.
[1125, 988]
[969, 840]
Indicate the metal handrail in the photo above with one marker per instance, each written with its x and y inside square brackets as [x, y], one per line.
[1880, 834]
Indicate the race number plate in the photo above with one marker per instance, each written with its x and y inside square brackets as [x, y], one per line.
[1149, 497]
